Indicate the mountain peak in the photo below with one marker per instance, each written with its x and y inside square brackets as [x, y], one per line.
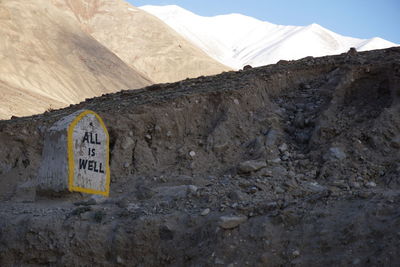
[168, 10]
[315, 26]
[237, 40]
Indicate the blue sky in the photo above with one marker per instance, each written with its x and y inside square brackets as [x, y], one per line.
[355, 18]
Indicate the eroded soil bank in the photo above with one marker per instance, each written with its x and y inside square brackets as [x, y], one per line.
[289, 164]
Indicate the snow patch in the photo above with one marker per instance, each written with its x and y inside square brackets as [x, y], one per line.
[237, 40]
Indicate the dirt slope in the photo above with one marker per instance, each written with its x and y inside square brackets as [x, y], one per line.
[143, 41]
[290, 164]
[47, 61]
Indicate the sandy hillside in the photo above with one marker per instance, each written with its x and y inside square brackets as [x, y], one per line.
[141, 40]
[47, 61]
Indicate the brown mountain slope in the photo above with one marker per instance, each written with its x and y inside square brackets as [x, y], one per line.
[47, 61]
[141, 40]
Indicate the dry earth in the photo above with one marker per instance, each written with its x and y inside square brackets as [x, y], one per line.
[47, 61]
[293, 164]
[54, 53]
[141, 40]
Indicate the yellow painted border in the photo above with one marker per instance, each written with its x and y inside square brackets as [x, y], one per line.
[71, 166]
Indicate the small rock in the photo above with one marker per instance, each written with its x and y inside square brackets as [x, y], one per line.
[272, 137]
[370, 184]
[253, 190]
[359, 178]
[174, 192]
[265, 172]
[305, 86]
[395, 143]
[230, 222]
[122, 203]
[302, 137]
[276, 160]
[340, 184]
[120, 260]
[291, 174]
[132, 207]
[335, 153]
[148, 137]
[356, 185]
[205, 212]
[352, 51]
[251, 166]
[219, 261]
[87, 202]
[98, 199]
[299, 121]
[126, 165]
[314, 187]
[283, 62]
[283, 147]
[192, 154]
[236, 195]
[220, 148]
[313, 173]
[290, 129]
[192, 189]
[279, 190]
[296, 253]
[236, 101]
[279, 171]
[272, 205]
[365, 195]
[157, 128]
[285, 156]
[127, 143]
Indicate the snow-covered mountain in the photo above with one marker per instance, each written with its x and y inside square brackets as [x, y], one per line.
[237, 40]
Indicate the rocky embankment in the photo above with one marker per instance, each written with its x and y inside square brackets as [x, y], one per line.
[289, 164]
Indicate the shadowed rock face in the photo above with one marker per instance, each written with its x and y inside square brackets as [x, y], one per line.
[141, 40]
[47, 61]
[321, 136]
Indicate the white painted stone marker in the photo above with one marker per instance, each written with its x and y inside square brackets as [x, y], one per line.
[76, 155]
